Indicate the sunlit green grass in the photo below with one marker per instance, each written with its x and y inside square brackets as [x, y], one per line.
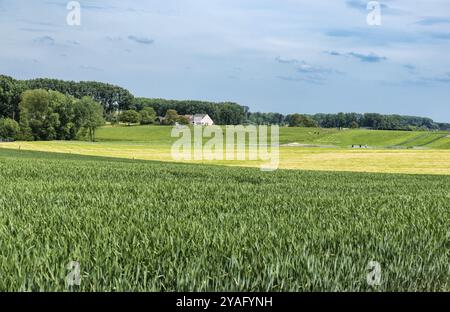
[340, 138]
[372, 138]
[331, 149]
[149, 134]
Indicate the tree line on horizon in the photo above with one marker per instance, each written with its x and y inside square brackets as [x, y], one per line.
[51, 115]
[47, 109]
[351, 120]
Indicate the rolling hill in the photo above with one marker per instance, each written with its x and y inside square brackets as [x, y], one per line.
[327, 149]
[313, 136]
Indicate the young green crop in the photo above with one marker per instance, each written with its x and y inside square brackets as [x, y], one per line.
[149, 226]
[316, 136]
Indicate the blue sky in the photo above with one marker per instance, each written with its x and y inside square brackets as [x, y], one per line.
[272, 55]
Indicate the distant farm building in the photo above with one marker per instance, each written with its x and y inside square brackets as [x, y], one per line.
[196, 120]
[200, 120]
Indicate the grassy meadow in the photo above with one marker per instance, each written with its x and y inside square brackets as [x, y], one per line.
[160, 135]
[328, 149]
[154, 226]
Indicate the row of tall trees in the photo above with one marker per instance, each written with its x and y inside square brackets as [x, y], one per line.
[10, 94]
[112, 98]
[146, 116]
[298, 120]
[375, 121]
[226, 113]
[51, 115]
[259, 118]
[349, 120]
[116, 100]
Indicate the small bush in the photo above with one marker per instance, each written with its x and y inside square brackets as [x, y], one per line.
[9, 128]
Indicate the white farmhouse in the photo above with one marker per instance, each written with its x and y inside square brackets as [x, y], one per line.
[201, 120]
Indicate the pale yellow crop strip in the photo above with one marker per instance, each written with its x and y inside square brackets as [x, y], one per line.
[323, 159]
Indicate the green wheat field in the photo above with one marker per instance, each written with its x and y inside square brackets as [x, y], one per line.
[136, 225]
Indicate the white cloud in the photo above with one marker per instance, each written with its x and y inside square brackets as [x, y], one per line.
[147, 45]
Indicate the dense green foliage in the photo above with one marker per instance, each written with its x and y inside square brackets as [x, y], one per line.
[148, 116]
[172, 118]
[444, 126]
[9, 129]
[130, 117]
[50, 115]
[111, 97]
[375, 121]
[221, 113]
[259, 118]
[150, 226]
[352, 120]
[89, 116]
[115, 99]
[10, 92]
[297, 120]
